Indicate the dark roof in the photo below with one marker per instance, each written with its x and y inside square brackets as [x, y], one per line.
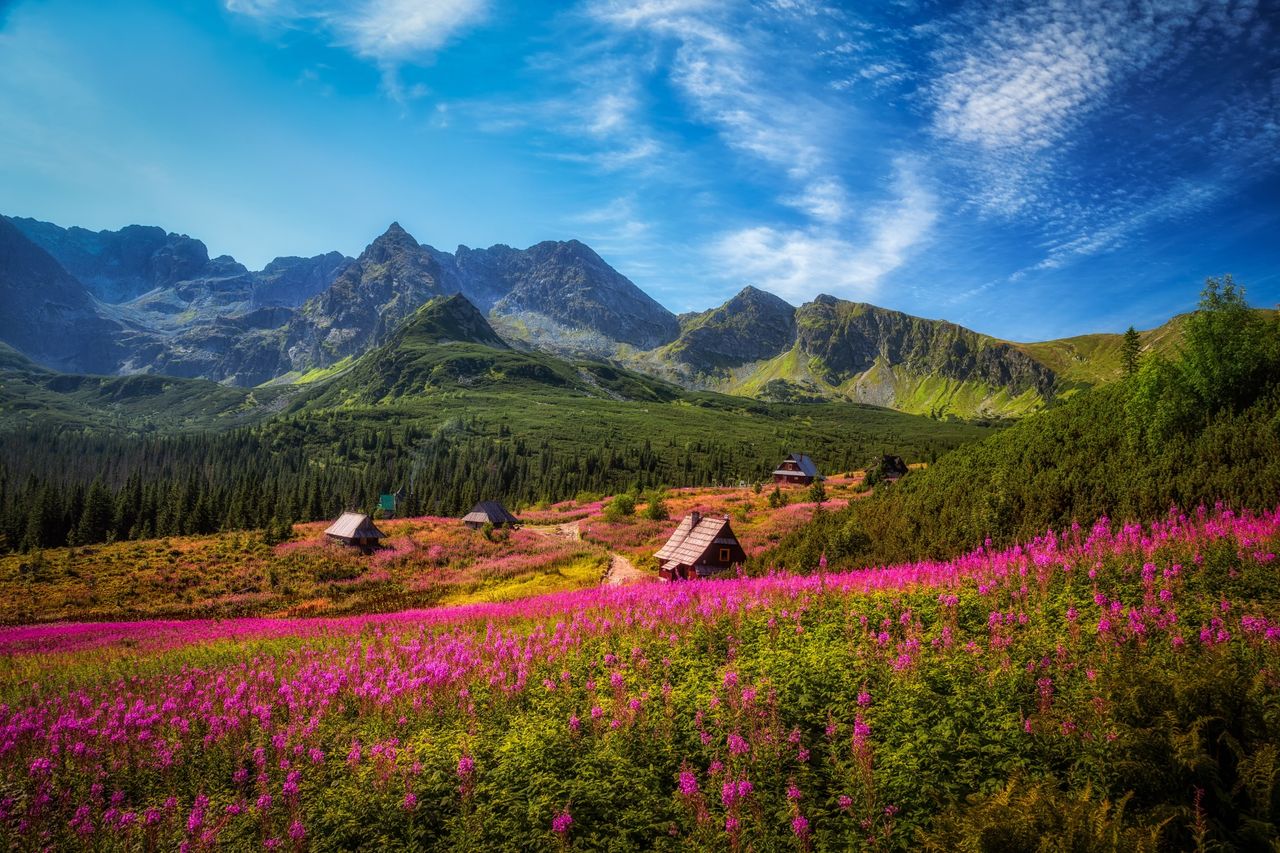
[806, 465]
[354, 525]
[492, 512]
[893, 465]
[692, 539]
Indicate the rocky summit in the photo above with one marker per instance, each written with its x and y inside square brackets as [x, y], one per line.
[144, 300]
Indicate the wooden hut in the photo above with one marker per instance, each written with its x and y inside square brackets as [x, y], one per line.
[356, 529]
[797, 469]
[489, 512]
[891, 468]
[701, 546]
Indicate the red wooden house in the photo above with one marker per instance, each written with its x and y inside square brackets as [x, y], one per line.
[797, 469]
[701, 546]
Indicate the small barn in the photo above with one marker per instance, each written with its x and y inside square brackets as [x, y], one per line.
[489, 512]
[700, 546]
[797, 469]
[891, 468]
[356, 529]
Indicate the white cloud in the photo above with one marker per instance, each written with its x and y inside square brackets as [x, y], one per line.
[733, 77]
[614, 226]
[797, 264]
[388, 32]
[1017, 85]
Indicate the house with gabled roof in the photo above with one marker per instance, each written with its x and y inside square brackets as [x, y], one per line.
[356, 529]
[700, 546]
[489, 512]
[797, 469]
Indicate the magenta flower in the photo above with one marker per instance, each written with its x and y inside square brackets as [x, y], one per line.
[688, 784]
[800, 826]
[410, 801]
[561, 822]
[296, 831]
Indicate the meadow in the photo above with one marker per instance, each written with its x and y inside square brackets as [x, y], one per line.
[1112, 687]
[426, 561]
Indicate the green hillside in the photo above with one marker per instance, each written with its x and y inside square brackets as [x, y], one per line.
[444, 411]
[35, 397]
[1185, 432]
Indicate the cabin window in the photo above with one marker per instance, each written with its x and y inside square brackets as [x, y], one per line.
[724, 555]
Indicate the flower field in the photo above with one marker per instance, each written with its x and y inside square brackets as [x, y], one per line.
[1116, 688]
[427, 561]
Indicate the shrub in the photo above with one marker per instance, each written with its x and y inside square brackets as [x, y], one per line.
[622, 506]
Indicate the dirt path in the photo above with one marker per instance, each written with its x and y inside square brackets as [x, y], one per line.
[621, 570]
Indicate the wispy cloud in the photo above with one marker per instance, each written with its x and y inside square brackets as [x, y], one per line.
[730, 67]
[1018, 83]
[799, 263]
[388, 33]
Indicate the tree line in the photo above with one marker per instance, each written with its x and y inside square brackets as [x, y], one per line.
[83, 487]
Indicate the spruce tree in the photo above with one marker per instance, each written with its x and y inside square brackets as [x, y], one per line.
[98, 515]
[1132, 351]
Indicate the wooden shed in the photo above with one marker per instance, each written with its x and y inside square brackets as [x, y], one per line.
[891, 468]
[700, 546]
[356, 529]
[797, 469]
[489, 512]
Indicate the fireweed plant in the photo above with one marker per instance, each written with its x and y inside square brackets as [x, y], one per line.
[1117, 686]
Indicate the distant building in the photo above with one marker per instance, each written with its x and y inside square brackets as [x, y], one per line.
[700, 546]
[891, 468]
[356, 529]
[797, 469]
[489, 512]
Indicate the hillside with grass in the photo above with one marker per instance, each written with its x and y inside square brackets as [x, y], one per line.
[444, 411]
[1200, 427]
[425, 561]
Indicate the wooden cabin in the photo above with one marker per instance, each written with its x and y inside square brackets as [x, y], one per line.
[355, 529]
[701, 546]
[891, 468]
[489, 512]
[797, 469]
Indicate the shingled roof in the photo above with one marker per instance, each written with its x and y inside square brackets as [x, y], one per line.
[806, 465]
[354, 525]
[491, 512]
[693, 537]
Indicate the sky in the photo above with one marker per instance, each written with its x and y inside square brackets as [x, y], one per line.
[1029, 170]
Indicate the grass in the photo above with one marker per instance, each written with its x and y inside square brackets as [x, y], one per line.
[426, 561]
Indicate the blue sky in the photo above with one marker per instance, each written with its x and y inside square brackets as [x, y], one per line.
[1028, 170]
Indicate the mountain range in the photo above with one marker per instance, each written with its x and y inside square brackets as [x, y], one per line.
[145, 301]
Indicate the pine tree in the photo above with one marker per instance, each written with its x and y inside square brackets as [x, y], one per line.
[98, 515]
[1132, 351]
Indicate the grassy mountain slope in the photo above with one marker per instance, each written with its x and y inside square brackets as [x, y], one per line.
[1197, 430]
[431, 375]
[756, 345]
[32, 396]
